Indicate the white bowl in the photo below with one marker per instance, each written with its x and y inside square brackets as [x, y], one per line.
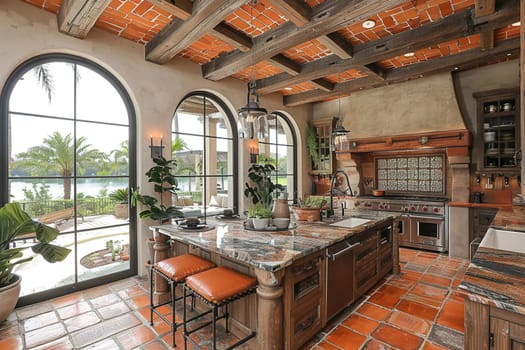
[490, 136]
[281, 223]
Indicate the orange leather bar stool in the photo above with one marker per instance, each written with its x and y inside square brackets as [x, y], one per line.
[216, 287]
[174, 270]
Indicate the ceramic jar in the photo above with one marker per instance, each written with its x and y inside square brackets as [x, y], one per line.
[280, 208]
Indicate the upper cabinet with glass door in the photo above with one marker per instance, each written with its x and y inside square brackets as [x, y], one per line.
[323, 162]
[498, 129]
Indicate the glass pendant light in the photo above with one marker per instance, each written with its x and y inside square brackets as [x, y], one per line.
[253, 119]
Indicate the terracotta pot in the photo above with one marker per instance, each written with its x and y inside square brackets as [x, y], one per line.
[378, 193]
[306, 214]
[9, 296]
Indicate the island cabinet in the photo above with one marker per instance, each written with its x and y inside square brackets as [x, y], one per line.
[488, 327]
[304, 291]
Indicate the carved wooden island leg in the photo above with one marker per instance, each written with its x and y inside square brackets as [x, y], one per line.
[161, 248]
[270, 321]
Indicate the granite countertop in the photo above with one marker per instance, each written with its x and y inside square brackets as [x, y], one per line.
[497, 277]
[270, 250]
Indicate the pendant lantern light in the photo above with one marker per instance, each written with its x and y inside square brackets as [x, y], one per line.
[253, 119]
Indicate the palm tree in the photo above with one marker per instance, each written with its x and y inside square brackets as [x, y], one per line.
[119, 159]
[57, 156]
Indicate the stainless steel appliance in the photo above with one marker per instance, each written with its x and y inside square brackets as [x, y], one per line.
[340, 279]
[423, 222]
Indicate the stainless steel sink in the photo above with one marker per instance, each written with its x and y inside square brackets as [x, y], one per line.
[350, 222]
[513, 241]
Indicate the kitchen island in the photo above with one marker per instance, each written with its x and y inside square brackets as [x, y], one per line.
[494, 286]
[291, 269]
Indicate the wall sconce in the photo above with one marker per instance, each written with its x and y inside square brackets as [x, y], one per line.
[253, 146]
[156, 151]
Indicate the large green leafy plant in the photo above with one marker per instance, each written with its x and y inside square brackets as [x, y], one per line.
[164, 181]
[261, 188]
[14, 222]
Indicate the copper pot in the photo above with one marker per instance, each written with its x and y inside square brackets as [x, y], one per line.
[378, 193]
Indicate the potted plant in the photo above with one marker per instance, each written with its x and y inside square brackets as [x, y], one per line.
[260, 189]
[14, 222]
[164, 181]
[262, 218]
[311, 145]
[120, 196]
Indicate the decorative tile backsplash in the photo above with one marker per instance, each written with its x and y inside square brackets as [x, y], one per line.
[411, 174]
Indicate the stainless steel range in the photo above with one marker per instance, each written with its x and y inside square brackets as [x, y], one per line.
[423, 222]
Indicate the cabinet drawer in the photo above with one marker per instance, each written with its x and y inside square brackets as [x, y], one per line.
[305, 267]
[306, 322]
[366, 277]
[367, 248]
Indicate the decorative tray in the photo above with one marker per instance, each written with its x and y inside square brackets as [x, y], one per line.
[228, 217]
[270, 228]
[199, 227]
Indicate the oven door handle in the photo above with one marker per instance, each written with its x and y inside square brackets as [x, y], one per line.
[438, 218]
[342, 251]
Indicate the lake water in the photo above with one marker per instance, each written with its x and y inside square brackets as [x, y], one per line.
[91, 187]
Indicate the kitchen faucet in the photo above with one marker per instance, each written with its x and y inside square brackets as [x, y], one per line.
[330, 212]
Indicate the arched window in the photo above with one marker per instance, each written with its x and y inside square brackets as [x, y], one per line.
[68, 158]
[204, 143]
[280, 150]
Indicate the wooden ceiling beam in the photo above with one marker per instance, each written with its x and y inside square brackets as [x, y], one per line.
[374, 69]
[485, 8]
[323, 84]
[179, 34]
[452, 27]
[337, 44]
[76, 18]
[327, 17]
[465, 59]
[285, 64]
[297, 11]
[181, 8]
[232, 36]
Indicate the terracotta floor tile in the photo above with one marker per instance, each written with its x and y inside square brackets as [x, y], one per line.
[131, 292]
[373, 311]
[40, 321]
[397, 338]
[81, 321]
[402, 282]
[138, 302]
[409, 322]
[74, 310]
[417, 309]
[135, 337]
[161, 327]
[67, 300]
[44, 335]
[106, 344]
[430, 346]
[155, 345]
[345, 338]
[411, 266]
[427, 294]
[96, 292]
[99, 331]
[452, 315]
[59, 344]
[436, 280]
[114, 310]
[437, 270]
[105, 300]
[446, 337]
[412, 275]
[360, 324]
[376, 345]
[33, 310]
[326, 346]
[14, 343]
[387, 296]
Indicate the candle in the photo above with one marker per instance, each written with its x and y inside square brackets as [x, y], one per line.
[161, 142]
[151, 141]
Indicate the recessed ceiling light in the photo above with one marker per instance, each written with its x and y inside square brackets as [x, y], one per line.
[288, 88]
[509, 54]
[369, 23]
[421, 75]
[456, 68]
[409, 54]
[516, 24]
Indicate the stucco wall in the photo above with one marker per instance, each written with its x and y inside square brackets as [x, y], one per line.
[155, 90]
[425, 104]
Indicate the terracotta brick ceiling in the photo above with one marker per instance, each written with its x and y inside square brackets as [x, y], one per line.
[325, 52]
